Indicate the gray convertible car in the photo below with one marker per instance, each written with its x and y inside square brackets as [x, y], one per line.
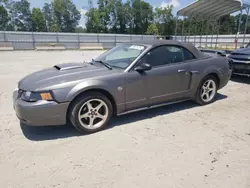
[130, 77]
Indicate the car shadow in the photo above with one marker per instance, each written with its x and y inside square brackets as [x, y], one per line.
[64, 131]
[240, 79]
[40, 133]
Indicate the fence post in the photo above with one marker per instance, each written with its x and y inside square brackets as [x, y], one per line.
[176, 27]
[98, 39]
[78, 37]
[245, 27]
[4, 36]
[208, 23]
[212, 39]
[115, 39]
[57, 39]
[130, 37]
[182, 30]
[33, 41]
[218, 32]
[238, 31]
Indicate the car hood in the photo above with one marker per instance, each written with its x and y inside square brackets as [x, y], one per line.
[62, 75]
[245, 51]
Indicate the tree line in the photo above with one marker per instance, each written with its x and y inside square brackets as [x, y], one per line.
[132, 16]
[58, 16]
[109, 16]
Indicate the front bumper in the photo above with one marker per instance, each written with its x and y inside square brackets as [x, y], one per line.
[240, 68]
[40, 113]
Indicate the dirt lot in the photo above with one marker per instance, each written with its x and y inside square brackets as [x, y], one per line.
[181, 145]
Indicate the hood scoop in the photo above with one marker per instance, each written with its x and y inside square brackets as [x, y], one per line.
[69, 66]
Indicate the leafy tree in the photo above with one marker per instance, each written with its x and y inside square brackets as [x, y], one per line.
[80, 30]
[104, 14]
[66, 15]
[21, 15]
[152, 30]
[139, 15]
[38, 20]
[127, 16]
[4, 18]
[93, 24]
[48, 15]
[114, 5]
[164, 20]
[119, 16]
[147, 16]
[110, 16]
[123, 16]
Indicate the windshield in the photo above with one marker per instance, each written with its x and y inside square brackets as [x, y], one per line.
[122, 55]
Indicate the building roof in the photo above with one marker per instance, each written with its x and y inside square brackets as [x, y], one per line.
[213, 8]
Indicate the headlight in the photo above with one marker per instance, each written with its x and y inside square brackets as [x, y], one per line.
[36, 96]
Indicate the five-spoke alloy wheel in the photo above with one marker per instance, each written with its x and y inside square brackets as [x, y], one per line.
[207, 90]
[90, 112]
[93, 113]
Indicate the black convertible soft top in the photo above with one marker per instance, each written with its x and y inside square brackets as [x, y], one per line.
[189, 46]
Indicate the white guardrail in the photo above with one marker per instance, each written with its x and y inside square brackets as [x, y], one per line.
[61, 41]
[221, 41]
[42, 40]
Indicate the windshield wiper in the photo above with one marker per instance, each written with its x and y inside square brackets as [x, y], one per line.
[103, 63]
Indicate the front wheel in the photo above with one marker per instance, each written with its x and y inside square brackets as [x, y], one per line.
[207, 91]
[90, 112]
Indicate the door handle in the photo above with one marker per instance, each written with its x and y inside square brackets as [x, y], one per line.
[182, 70]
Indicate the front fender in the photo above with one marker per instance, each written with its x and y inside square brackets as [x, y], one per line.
[86, 85]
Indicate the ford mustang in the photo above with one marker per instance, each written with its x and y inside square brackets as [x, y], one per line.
[130, 77]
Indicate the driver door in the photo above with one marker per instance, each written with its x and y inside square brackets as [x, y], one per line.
[170, 76]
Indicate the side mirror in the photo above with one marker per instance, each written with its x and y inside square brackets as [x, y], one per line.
[143, 67]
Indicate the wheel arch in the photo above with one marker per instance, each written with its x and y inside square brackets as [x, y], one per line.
[99, 90]
[216, 76]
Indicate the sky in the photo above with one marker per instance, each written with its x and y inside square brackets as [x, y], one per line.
[82, 5]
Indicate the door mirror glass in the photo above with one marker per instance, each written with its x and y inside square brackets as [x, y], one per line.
[143, 67]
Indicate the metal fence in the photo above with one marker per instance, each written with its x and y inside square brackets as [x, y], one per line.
[29, 40]
[220, 41]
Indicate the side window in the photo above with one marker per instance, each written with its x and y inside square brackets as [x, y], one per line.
[188, 55]
[164, 55]
[157, 56]
[176, 54]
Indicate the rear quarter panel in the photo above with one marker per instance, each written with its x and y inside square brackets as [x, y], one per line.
[200, 68]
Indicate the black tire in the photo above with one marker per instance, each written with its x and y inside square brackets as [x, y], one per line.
[79, 102]
[198, 98]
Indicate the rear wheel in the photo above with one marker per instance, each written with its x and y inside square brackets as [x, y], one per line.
[90, 112]
[207, 91]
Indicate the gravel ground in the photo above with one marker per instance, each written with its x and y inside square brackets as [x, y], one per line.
[181, 145]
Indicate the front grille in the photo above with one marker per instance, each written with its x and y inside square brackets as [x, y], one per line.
[241, 71]
[241, 67]
[237, 54]
[240, 59]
